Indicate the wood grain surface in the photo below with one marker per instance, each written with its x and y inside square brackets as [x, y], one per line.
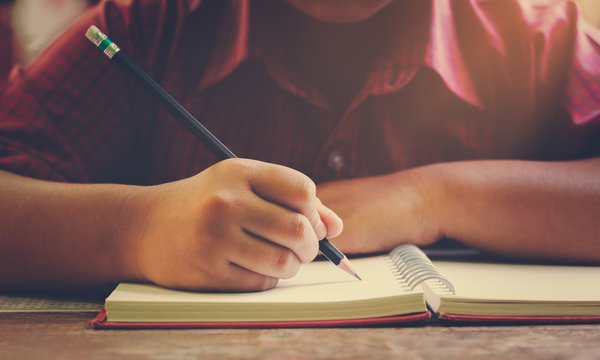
[69, 336]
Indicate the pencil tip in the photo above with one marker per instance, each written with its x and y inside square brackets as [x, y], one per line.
[345, 265]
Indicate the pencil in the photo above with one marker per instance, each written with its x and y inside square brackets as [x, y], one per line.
[178, 112]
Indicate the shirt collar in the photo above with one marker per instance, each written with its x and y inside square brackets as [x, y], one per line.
[231, 44]
[444, 53]
[242, 36]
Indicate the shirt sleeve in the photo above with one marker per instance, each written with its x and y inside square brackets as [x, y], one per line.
[567, 53]
[73, 116]
[582, 88]
[583, 82]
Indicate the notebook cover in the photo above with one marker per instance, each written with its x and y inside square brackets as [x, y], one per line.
[100, 323]
[519, 319]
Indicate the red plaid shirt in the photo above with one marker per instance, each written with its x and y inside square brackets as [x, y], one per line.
[477, 80]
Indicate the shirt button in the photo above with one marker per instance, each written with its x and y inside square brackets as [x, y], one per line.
[336, 160]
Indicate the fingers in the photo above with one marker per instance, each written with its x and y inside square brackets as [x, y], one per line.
[286, 241]
[239, 225]
[284, 186]
[245, 263]
[246, 280]
[281, 226]
[264, 257]
[289, 188]
[317, 224]
[333, 223]
[264, 231]
[230, 277]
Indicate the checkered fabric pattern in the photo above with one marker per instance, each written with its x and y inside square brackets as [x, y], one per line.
[455, 80]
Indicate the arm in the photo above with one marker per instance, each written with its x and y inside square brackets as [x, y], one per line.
[239, 225]
[522, 209]
[62, 234]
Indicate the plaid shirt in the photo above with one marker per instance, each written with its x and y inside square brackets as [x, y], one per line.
[463, 80]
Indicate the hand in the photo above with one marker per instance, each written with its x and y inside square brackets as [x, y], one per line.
[382, 212]
[238, 225]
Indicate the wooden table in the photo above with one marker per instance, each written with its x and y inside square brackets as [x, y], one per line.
[69, 336]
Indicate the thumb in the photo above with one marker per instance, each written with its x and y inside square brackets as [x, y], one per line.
[333, 223]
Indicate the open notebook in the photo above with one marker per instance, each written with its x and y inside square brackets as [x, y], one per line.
[395, 288]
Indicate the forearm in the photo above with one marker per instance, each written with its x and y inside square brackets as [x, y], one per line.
[545, 210]
[56, 234]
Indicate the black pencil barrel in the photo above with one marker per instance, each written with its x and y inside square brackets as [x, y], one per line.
[173, 107]
[114, 53]
[330, 251]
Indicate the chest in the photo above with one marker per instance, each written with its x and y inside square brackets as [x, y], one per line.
[421, 124]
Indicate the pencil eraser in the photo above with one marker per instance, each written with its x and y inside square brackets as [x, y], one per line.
[103, 43]
[92, 34]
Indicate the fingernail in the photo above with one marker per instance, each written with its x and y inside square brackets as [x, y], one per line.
[321, 230]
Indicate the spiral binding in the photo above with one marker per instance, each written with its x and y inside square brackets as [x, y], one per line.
[413, 267]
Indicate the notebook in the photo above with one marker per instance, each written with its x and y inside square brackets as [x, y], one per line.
[396, 288]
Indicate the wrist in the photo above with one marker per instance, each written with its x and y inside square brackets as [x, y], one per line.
[132, 213]
[430, 190]
[450, 197]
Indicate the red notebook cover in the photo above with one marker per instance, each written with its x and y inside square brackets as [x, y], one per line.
[100, 323]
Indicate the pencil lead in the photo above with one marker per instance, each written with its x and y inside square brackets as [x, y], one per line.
[345, 265]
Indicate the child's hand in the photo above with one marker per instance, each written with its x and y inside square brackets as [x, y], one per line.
[238, 225]
[383, 212]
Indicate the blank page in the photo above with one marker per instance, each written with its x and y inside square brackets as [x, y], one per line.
[316, 282]
[518, 282]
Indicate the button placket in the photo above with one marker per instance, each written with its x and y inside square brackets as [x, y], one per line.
[335, 158]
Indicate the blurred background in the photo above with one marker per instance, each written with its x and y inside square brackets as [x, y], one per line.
[22, 20]
[21, 24]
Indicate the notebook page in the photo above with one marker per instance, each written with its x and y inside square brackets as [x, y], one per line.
[316, 282]
[518, 282]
